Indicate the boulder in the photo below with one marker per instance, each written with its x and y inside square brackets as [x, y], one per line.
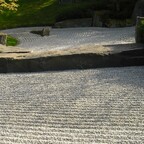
[139, 34]
[45, 32]
[3, 38]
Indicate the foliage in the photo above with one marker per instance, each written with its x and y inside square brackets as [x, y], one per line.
[11, 41]
[47, 12]
[9, 4]
[140, 27]
[119, 23]
[121, 9]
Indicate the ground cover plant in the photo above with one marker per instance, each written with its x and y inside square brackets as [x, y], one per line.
[8, 4]
[11, 41]
[141, 25]
[140, 30]
[47, 12]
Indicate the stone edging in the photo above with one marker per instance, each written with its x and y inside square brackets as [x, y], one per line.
[76, 61]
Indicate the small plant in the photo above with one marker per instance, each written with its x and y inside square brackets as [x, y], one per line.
[11, 41]
[141, 25]
[140, 30]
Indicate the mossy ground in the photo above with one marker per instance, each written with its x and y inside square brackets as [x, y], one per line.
[47, 12]
[141, 25]
[11, 41]
[40, 12]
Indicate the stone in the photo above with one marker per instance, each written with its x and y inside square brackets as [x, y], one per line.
[3, 39]
[138, 10]
[139, 34]
[45, 32]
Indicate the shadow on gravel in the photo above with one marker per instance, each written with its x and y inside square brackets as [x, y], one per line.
[37, 32]
[133, 57]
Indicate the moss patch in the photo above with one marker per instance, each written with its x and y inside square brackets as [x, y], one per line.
[141, 26]
[11, 41]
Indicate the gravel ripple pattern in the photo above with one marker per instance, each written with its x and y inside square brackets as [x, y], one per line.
[73, 107]
[71, 37]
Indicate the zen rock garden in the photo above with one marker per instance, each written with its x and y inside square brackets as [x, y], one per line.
[72, 72]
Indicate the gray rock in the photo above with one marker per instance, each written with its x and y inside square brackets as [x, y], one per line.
[3, 38]
[45, 32]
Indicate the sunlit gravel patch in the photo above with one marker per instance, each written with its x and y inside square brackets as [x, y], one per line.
[71, 37]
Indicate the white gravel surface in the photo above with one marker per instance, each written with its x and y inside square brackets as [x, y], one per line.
[102, 106]
[71, 37]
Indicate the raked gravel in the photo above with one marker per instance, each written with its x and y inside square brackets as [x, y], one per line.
[72, 37]
[102, 106]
